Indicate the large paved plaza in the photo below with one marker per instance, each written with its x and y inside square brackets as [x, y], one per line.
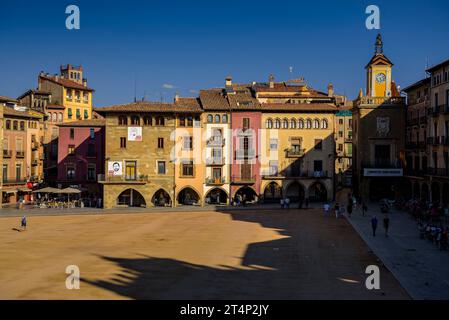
[249, 254]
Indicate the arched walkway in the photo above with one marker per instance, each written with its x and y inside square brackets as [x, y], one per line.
[161, 198]
[436, 192]
[317, 192]
[216, 196]
[425, 195]
[246, 194]
[295, 192]
[272, 193]
[188, 196]
[131, 198]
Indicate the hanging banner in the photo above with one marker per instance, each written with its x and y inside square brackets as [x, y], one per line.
[115, 168]
[134, 133]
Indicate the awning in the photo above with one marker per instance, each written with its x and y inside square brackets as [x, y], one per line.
[46, 190]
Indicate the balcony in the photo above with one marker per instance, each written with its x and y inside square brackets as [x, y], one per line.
[34, 145]
[34, 163]
[438, 172]
[20, 154]
[216, 142]
[7, 153]
[215, 161]
[14, 181]
[295, 153]
[215, 181]
[243, 179]
[380, 101]
[245, 154]
[107, 179]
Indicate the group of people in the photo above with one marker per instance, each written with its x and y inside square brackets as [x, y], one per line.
[435, 233]
[426, 210]
[285, 203]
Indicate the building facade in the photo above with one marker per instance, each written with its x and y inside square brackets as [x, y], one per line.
[343, 144]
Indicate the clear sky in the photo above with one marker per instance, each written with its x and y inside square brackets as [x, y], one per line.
[168, 46]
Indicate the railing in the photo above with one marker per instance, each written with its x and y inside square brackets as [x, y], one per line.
[380, 101]
[14, 181]
[296, 175]
[124, 178]
[216, 142]
[215, 181]
[245, 154]
[243, 179]
[219, 161]
[439, 172]
[295, 153]
[20, 154]
[7, 153]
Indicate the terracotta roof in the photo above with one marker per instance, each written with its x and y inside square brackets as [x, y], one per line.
[55, 106]
[65, 82]
[214, 99]
[145, 106]
[33, 91]
[298, 107]
[84, 123]
[15, 113]
[379, 59]
[419, 83]
[7, 99]
[193, 103]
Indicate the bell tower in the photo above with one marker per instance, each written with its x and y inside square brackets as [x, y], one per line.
[378, 72]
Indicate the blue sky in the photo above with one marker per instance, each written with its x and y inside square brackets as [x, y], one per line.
[189, 45]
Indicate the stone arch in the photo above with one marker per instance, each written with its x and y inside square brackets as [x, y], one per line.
[272, 193]
[161, 198]
[295, 191]
[131, 198]
[246, 192]
[216, 195]
[188, 196]
[318, 192]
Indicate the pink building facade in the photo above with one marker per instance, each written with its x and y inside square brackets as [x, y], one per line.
[245, 169]
[81, 156]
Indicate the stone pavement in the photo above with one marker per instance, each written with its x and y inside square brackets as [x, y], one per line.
[420, 267]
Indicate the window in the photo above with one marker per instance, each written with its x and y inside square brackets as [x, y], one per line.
[160, 121]
[72, 133]
[18, 172]
[135, 120]
[224, 118]
[209, 118]
[91, 172]
[122, 120]
[318, 144]
[340, 147]
[78, 96]
[269, 124]
[5, 172]
[301, 124]
[122, 143]
[70, 172]
[340, 134]
[216, 154]
[436, 100]
[318, 166]
[148, 121]
[187, 168]
[187, 143]
[277, 124]
[71, 149]
[182, 121]
[324, 124]
[340, 121]
[8, 124]
[246, 124]
[274, 168]
[69, 113]
[309, 124]
[78, 113]
[15, 125]
[131, 170]
[86, 97]
[59, 117]
[273, 144]
[22, 125]
[316, 124]
[160, 143]
[190, 121]
[69, 94]
[86, 114]
[217, 118]
[293, 124]
[285, 124]
[92, 133]
[91, 150]
[161, 167]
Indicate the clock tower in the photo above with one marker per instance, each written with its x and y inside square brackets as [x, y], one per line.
[378, 73]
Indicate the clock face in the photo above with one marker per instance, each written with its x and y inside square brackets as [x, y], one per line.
[381, 77]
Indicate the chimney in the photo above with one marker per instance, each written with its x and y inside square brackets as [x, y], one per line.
[271, 81]
[330, 90]
[228, 81]
[56, 77]
[176, 96]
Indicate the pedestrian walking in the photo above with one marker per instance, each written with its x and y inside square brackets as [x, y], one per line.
[337, 210]
[364, 209]
[374, 225]
[23, 223]
[326, 208]
[282, 203]
[349, 209]
[287, 203]
[386, 225]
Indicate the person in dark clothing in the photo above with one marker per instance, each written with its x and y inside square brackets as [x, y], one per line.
[386, 225]
[374, 225]
[364, 209]
[23, 223]
[307, 203]
[349, 209]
